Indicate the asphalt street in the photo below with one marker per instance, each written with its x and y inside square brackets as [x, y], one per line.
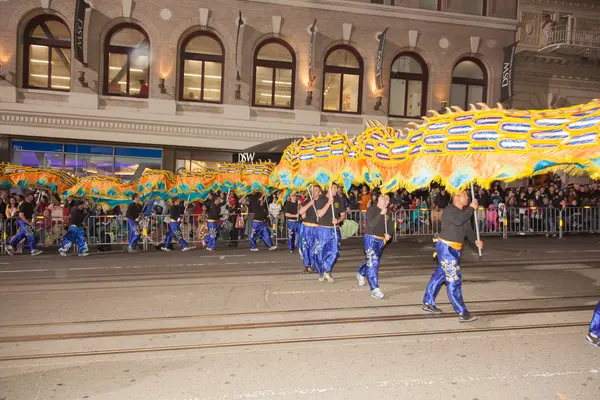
[239, 325]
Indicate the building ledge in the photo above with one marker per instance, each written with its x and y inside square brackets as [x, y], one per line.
[417, 14]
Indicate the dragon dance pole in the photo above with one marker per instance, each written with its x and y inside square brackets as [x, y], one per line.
[475, 216]
[333, 216]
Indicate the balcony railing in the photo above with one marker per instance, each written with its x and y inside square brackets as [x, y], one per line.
[566, 40]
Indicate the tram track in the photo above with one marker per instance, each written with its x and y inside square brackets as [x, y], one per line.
[205, 346]
[286, 312]
[277, 324]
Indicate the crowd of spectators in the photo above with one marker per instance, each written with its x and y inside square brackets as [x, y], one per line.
[520, 209]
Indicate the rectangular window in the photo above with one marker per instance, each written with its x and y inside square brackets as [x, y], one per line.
[86, 164]
[397, 97]
[415, 95]
[458, 95]
[475, 94]
[127, 167]
[429, 4]
[38, 159]
[38, 66]
[331, 93]
[283, 87]
[192, 80]
[212, 81]
[350, 93]
[117, 74]
[264, 86]
[61, 69]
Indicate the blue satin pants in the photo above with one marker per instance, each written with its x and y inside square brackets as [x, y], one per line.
[338, 232]
[213, 232]
[260, 230]
[308, 245]
[74, 235]
[175, 232]
[293, 228]
[370, 268]
[134, 232]
[595, 324]
[326, 249]
[25, 232]
[448, 272]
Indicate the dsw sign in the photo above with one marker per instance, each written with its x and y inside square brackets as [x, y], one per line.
[246, 157]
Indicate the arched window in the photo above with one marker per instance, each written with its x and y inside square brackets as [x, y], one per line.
[47, 54]
[127, 61]
[469, 83]
[408, 86]
[342, 81]
[274, 74]
[201, 68]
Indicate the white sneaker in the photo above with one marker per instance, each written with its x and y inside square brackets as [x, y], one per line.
[273, 248]
[10, 250]
[131, 250]
[321, 278]
[189, 248]
[36, 252]
[253, 249]
[328, 277]
[84, 254]
[361, 280]
[62, 253]
[376, 293]
[165, 249]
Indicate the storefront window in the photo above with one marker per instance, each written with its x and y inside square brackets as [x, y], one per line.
[38, 159]
[127, 167]
[86, 164]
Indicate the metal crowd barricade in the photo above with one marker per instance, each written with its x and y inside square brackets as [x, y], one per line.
[579, 220]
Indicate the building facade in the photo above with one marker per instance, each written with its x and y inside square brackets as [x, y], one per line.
[558, 56]
[187, 84]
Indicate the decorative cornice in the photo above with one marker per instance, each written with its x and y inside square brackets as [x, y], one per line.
[589, 4]
[136, 127]
[416, 14]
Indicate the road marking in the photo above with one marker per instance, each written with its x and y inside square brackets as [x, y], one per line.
[295, 392]
[320, 291]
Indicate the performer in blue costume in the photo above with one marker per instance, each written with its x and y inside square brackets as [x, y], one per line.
[75, 232]
[456, 225]
[310, 220]
[260, 229]
[133, 213]
[213, 213]
[593, 336]
[379, 228]
[339, 203]
[291, 209]
[177, 211]
[26, 228]
[326, 243]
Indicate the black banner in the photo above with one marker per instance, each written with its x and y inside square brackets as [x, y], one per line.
[240, 23]
[508, 72]
[79, 29]
[379, 61]
[311, 54]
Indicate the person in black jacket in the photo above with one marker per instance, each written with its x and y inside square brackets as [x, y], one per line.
[213, 214]
[177, 212]
[134, 210]
[76, 231]
[260, 229]
[456, 226]
[380, 227]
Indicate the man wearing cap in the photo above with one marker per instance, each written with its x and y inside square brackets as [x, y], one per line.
[177, 212]
[456, 226]
[292, 220]
[133, 213]
[25, 222]
[75, 232]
